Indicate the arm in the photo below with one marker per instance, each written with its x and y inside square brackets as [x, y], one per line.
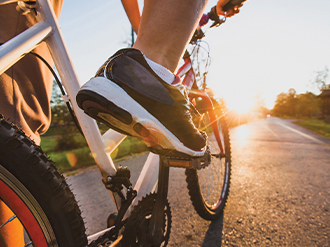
[133, 13]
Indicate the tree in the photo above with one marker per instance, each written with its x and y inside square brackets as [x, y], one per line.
[292, 102]
[307, 105]
[62, 122]
[59, 110]
[280, 105]
[322, 79]
[293, 105]
[286, 104]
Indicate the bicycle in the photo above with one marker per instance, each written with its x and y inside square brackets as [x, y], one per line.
[41, 199]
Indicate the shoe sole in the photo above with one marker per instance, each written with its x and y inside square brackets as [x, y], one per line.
[108, 103]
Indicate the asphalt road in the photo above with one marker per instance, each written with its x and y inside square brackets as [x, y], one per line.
[279, 193]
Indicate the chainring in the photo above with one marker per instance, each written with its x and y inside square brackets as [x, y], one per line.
[105, 240]
[137, 227]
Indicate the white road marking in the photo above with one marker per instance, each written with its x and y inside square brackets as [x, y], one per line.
[266, 127]
[303, 134]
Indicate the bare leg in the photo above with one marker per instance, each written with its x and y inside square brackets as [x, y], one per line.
[165, 29]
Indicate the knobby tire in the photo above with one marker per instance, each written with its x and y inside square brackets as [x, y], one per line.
[209, 187]
[36, 192]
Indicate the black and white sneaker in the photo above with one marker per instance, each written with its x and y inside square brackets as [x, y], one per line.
[129, 97]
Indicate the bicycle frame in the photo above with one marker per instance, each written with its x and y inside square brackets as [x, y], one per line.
[47, 30]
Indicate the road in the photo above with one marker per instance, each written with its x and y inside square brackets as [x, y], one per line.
[279, 194]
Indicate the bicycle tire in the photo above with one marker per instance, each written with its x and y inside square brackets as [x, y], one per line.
[36, 192]
[209, 186]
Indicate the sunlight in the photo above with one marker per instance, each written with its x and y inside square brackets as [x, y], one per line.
[242, 133]
[241, 103]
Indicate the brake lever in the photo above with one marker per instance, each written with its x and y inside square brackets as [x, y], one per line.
[215, 18]
[218, 22]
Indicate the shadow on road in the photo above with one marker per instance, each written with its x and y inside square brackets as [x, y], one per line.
[213, 236]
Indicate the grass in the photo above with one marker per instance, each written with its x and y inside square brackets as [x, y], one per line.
[71, 159]
[318, 126]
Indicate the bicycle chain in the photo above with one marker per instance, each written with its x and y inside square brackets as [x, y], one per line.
[104, 240]
[137, 220]
[137, 227]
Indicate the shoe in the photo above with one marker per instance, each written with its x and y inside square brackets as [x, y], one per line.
[129, 97]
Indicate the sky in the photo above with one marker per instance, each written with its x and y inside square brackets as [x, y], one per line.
[268, 48]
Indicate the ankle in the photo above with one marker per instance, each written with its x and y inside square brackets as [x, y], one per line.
[161, 71]
[165, 57]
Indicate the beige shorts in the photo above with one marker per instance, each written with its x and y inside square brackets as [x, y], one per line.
[25, 88]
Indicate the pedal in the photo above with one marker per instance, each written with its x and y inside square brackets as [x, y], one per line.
[197, 163]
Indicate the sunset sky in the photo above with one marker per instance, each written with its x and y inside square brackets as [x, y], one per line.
[270, 47]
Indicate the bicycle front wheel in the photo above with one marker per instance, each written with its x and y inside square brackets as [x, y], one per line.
[209, 186]
[35, 196]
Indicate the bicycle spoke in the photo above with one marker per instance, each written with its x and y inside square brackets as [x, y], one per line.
[214, 166]
[218, 170]
[210, 185]
[217, 176]
[11, 219]
[29, 244]
[208, 171]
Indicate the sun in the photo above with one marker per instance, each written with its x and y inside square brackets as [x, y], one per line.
[240, 103]
[242, 100]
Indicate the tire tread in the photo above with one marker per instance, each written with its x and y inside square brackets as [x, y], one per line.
[53, 194]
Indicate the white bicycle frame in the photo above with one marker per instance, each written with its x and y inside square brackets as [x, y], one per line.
[47, 30]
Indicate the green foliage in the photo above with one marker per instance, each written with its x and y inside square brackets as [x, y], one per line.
[307, 105]
[67, 142]
[128, 147]
[318, 126]
[78, 155]
[292, 105]
[71, 160]
[47, 144]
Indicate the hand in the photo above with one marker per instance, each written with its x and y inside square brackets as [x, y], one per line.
[229, 13]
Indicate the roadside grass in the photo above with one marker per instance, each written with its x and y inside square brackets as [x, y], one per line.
[318, 126]
[74, 158]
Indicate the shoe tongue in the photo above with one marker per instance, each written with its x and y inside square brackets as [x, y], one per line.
[134, 77]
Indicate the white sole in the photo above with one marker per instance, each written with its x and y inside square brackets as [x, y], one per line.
[157, 134]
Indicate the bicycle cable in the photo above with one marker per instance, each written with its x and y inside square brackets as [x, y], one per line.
[74, 118]
[195, 55]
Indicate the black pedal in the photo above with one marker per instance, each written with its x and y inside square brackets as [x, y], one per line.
[196, 163]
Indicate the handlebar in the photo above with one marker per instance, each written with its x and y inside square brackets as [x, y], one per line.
[213, 15]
